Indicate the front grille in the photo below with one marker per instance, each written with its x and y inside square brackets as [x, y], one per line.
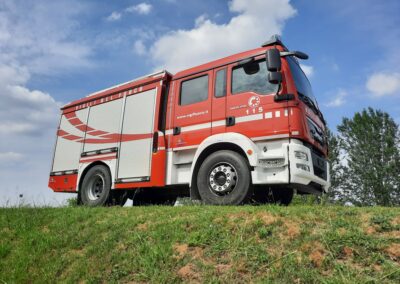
[320, 165]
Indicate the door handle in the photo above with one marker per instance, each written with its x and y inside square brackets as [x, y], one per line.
[177, 130]
[230, 121]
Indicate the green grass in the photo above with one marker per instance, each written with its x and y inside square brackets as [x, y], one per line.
[270, 244]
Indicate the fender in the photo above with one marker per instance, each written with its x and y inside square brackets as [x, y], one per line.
[230, 137]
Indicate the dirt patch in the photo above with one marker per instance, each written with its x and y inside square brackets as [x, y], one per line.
[222, 268]
[347, 252]
[142, 227]
[293, 229]
[188, 272]
[394, 251]
[317, 254]
[266, 218]
[395, 221]
[370, 230]
[182, 250]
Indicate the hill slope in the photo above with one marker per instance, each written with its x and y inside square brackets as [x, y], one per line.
[300, 244]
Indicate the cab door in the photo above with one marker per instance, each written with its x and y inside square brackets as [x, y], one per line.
[250, 107]
[219, 100]
[192, 113]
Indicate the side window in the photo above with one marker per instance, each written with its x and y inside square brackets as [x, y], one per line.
[194, 90]
[255, 82]
[220, 83]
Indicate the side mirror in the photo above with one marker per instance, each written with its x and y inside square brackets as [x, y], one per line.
[274, 62]
[275, 77]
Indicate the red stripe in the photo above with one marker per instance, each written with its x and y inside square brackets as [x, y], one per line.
[61, 132]
[96, 132]
[98, 159]
[71, 137]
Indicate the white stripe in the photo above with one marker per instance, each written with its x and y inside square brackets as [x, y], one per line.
[218, 123]
[270, 137]
[161, 148]
[196, 127]
[185, 148]
[247, 118]
[268, 115]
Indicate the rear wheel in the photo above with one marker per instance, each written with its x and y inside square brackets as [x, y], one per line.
[224, 179]
[96, 187]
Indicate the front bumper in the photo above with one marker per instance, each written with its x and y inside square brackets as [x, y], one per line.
[279, 162]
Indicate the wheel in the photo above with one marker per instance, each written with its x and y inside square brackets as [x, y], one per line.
[278, 195]
[224, 179]
[96, 187]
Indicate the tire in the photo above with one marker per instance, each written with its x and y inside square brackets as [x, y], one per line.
[224, 179]
[96, 187]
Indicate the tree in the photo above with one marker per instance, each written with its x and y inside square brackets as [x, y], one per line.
[334, 193]
[371, 172]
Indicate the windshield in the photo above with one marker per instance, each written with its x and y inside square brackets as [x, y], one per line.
[302, 84]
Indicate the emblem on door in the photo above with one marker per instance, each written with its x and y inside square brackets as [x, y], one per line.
[254, 101]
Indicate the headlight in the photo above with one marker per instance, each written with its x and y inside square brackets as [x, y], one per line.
[301, 155]
[303, 167]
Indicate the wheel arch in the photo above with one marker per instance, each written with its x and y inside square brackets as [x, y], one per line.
[227, 141]
[87, 168]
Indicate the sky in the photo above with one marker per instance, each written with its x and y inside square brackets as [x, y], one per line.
[54, 52]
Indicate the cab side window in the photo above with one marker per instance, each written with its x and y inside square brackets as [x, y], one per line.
[255, 81]
[220, 84]
[194, 90]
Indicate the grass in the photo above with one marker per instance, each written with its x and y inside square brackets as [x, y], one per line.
[270, 244]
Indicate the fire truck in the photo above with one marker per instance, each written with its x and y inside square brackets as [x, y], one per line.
[244, 128]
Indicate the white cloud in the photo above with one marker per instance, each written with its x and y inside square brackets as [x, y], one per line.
[139, 47]
[308, 70]
[37, 39]
[338, 100]
[383, 84]
[10, 157]
[114, 16]
[142, 8]
[254, 22]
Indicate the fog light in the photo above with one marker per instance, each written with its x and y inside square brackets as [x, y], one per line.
[272, 163]
[301, 155]
[303, 167]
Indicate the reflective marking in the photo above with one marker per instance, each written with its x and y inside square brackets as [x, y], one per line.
[218, 123]
[249, 117]
[286, 112]
[270, 137]
[185, 148]
[277, 113]
[268, 114]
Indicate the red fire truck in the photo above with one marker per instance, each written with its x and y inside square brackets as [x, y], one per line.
[238, 129]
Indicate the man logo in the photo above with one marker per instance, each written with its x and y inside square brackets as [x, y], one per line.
[254, 101]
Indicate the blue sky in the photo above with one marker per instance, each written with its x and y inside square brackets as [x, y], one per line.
[53, 52]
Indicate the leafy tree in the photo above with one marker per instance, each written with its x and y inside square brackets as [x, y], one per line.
[334, 194]
[371, 172]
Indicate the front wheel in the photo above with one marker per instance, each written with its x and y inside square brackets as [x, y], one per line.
[224, 179]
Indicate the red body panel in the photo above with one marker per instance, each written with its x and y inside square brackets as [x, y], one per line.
[63, 183]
